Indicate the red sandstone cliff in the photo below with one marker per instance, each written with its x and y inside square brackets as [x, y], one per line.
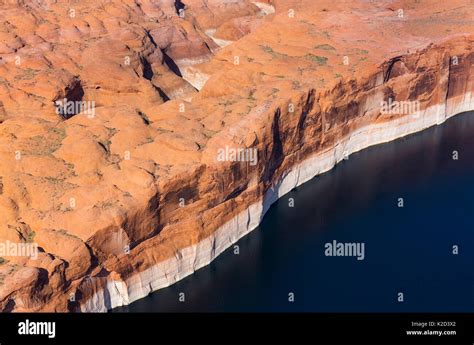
[135, 197]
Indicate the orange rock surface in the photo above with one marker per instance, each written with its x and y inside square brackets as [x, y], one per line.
[110, 194]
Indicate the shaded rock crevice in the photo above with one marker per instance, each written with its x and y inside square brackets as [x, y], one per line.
[67, 103]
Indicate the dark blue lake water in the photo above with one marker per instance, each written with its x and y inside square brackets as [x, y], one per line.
[408, 250]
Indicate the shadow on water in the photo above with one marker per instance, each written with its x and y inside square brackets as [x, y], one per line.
[408, 250]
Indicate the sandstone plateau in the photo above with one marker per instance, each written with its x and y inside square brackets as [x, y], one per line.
[133, 198]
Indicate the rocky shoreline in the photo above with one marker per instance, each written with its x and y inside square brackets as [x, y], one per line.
[136, 198]
[121, 293]
[189, 259]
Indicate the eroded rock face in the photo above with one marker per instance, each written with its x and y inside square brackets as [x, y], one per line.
[128, 193]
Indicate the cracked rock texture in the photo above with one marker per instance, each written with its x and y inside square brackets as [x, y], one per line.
[108, 196]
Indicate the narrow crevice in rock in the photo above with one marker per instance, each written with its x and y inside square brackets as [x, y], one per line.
[150, 37]
[236, 192]
[308, 105]
[144, 117]
[147, 69]
[148, 74]
[276, 155]
[179, 5]
[446, 97]
[390, 64]
[66, 104]
[163, 95]
[171, 64]
[104, 147]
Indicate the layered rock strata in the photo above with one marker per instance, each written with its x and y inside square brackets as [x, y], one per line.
[136, 197]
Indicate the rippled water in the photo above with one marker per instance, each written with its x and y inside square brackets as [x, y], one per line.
[407, 249]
